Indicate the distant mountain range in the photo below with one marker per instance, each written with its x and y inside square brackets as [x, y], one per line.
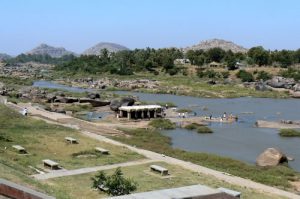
[220, 43]
[111, 47]
[45, 49]
[4, 56]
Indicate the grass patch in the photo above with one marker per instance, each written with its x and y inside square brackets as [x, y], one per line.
[184, 110]
[153, 140]
[289, 133]
[46, 141]
[78, 107]
[162, 124]
[198, 127]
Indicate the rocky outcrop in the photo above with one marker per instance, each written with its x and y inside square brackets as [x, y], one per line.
[271, 157]
[281, 82]
[111, 47]
[93, 95]
[45, 49]
[124, 84]
[125, 101]
[94, 102]
[217, 43]
[261, 86]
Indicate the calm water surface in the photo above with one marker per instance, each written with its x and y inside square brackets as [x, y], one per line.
[241, 140]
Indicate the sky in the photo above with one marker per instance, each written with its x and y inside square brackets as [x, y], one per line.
[80, 24]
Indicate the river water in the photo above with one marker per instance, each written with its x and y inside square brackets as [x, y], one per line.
[241, 140]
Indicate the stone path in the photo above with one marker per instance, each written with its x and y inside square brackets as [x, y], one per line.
[62, 173]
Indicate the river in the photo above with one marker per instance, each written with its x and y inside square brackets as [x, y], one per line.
[241, 140]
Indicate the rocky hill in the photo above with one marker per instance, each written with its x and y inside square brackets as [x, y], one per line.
[111, 47]
[45, 49]
[4, 56]
[214, 43]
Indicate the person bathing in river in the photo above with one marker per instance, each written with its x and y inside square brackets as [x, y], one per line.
[224, 116]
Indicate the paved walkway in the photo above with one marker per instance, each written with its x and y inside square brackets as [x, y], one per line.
[62, 173]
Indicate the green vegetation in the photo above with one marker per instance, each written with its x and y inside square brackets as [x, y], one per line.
[47, 141]
[153, 140]
[289, 133]
[198, 127]
[162, 124]
[204, 129]
[13, 81]
[291, 73]
[245, 76]
[263, 75]
[184, 110]
[43, 59]
[148, 181]
[116, 184]
[78, 107]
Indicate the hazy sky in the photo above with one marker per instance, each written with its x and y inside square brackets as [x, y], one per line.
[79, 24]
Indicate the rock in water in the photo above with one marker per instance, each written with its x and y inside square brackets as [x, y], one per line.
[271, 157]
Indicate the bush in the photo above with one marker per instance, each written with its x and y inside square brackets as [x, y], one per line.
[162, 124]
[225, 74]
[115, 184]
[245, 76]
[291, 73]
[209, 74]
[204, 129]
[289, 133]
[263, 75]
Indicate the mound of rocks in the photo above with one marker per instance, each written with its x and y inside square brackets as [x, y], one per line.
[281, 82]
[271, 157]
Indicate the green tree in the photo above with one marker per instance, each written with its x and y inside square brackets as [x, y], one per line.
[245, 76]
[259, 55]
[215, 54]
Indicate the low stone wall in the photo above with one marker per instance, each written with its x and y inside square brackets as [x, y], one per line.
[15, 191]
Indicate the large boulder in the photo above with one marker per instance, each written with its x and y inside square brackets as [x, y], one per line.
[296, 87]
[125, 101]
[271, 157]
[93, 95]
[94, 102]
[67, 100]
[261, 86]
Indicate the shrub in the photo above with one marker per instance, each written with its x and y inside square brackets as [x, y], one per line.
[209, 74]
[225, 74]
[289, 133]
[245, 76]
[115, 184]
[291, 73]
[162, 124]
[204, 129]
[263, 75]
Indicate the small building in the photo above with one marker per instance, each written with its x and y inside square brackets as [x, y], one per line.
[140, 112]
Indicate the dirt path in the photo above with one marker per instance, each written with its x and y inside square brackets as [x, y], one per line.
[62, 173]
[160, 157]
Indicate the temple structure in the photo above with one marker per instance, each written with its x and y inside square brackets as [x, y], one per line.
[140, 112]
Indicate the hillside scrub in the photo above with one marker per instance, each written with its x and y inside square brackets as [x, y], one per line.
[245, 76]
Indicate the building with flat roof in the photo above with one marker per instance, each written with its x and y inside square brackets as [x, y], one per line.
[140, 112]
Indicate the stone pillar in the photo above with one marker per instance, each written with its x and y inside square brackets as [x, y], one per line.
[121, 113]
[142, 114]
[129, 115]
[148, 113]
[155, 113]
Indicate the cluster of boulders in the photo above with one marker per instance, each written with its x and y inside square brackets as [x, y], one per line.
[124, 84]
[26, 70]
[278, 82]
[115, 104]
